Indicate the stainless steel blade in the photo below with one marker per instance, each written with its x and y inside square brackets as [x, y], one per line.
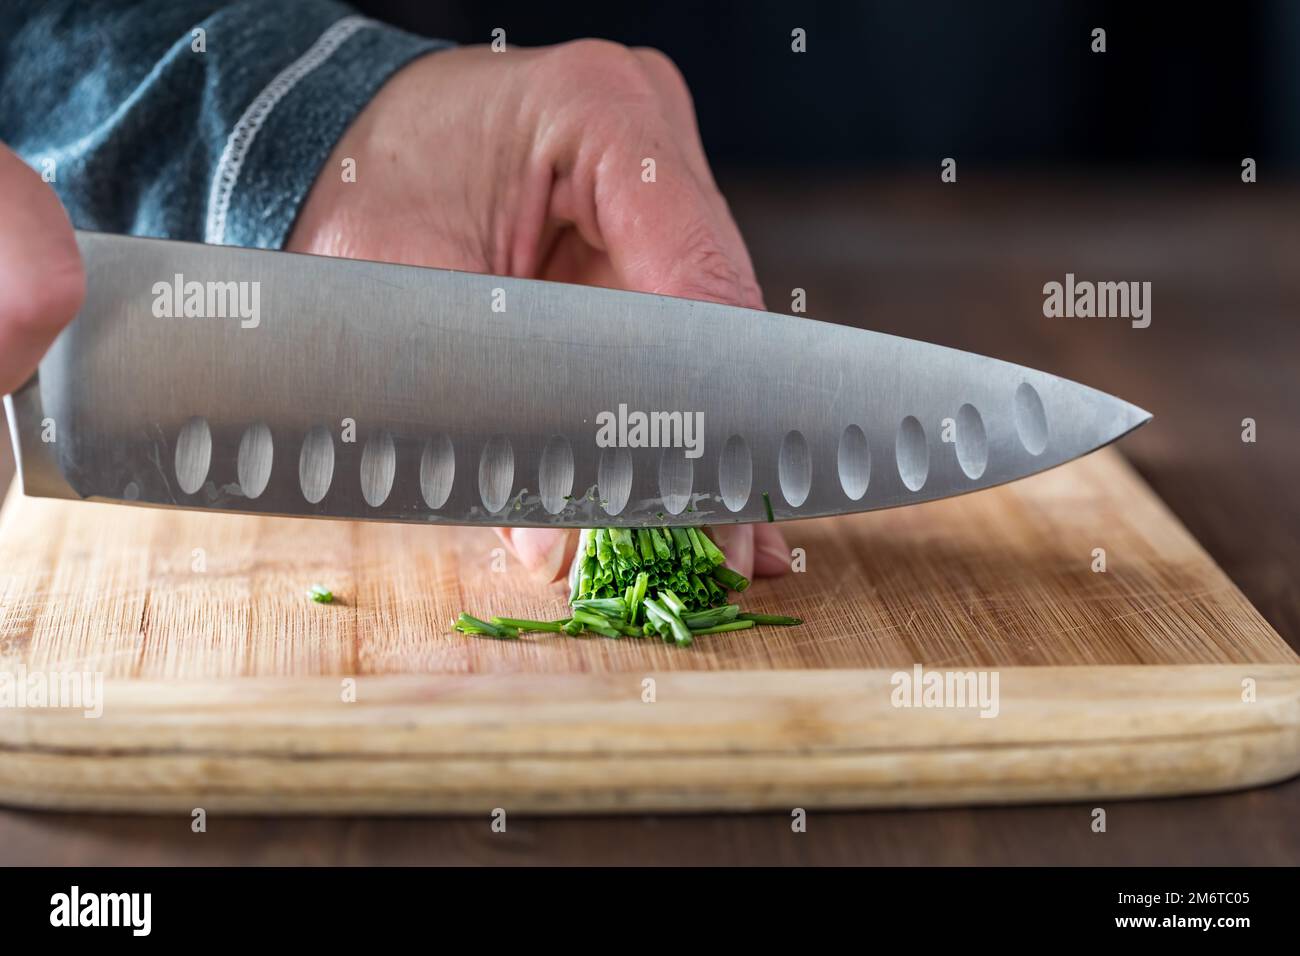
[364, 390]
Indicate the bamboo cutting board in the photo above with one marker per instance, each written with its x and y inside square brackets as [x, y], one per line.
[226, 688]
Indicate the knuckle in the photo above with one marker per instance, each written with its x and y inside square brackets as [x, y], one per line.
[706, 272]
[599, 61]
[663, 70]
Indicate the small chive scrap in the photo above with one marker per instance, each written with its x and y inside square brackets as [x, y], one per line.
[321, 594]
[778, 619]
[468, 624]
[522, 624]
[667, 582]
[767, 506]
[730, 579]
[721, 628]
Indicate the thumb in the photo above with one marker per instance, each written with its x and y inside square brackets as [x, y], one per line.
[42, 283]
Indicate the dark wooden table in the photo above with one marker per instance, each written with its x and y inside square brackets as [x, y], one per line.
[963, 265]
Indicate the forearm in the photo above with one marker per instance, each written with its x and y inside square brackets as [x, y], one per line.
[183, 119]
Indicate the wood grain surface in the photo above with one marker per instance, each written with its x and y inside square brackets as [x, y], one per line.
[813, 739]
[997, 578]
[218, 690]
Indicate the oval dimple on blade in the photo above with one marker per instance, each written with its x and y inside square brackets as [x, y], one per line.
[1031, 419]
[437, 471]
[316, 464]
[378, 468]
[614, 479]
[794, 468]
[193, 454]
[913, 453]
[735, 473]
[256, 455]
[555, 474]
[496, 473]
[676, 477]
[854, 462]
[971, 442]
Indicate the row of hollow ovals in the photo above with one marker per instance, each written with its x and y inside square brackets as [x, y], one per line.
[614, 478]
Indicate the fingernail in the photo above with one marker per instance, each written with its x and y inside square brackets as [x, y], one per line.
[541, 550]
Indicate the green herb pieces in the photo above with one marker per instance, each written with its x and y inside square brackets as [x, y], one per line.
[711, 617]
[664, 617]
[609, 607]
[672, 602]
[730, 579]
[639, 587]
[720, 628]
[777, 619]
[468, 624]
[667, 582]
[767, 506]
[320, 594]
[591, 618]
[523, 624]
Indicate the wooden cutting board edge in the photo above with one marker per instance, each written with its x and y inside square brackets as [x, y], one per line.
[709, 741]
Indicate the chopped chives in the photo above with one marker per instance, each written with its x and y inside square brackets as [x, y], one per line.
[779, 619]
[714, 553]
[524, 624]
[662, 544]
[472, 625]
[609, 607]
[730, 579]
[638, 595]
[645, 546]
[717, 615]
[604, 548]
[591, 618]
[720, 628]
[670, 582]
[672, 601]
[681, 633]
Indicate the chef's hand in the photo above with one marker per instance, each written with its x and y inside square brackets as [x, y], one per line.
[529, 163]
[41, 279]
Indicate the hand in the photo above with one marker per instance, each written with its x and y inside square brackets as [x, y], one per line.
[528, 163]
[41, 279]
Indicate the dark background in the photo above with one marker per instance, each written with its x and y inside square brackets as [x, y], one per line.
[903, 84]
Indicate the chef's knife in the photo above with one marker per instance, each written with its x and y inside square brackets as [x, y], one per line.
[243, 380]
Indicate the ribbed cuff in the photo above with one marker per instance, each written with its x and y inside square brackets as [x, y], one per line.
[289, 127]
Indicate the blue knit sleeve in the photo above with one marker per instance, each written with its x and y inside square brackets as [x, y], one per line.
[184, 119]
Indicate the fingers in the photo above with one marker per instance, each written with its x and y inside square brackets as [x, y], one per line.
[547, 552]
[755, 550]
[771, 553]
[737, 543]
[42, 283]
[632, 177]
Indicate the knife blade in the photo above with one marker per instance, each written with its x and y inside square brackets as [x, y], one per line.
[264, 382]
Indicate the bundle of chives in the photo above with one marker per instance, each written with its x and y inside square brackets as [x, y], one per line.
[667, 582]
